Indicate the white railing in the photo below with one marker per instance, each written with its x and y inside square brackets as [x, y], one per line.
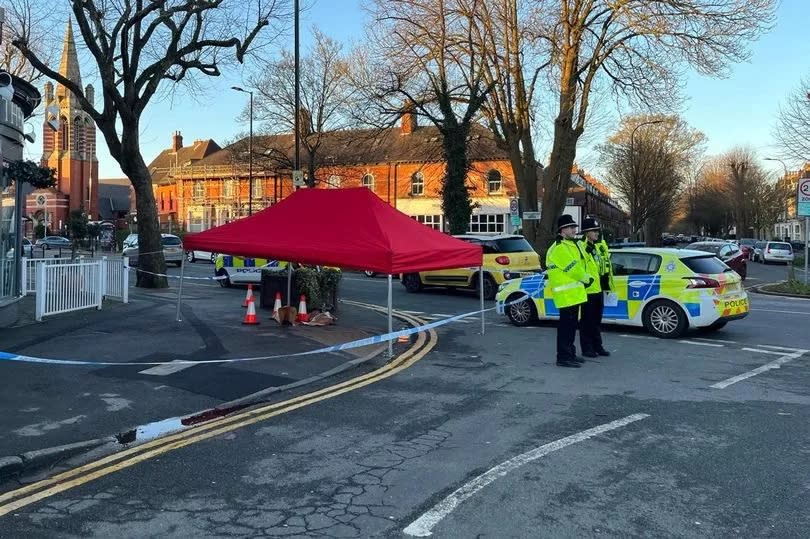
[6, 277]
[116, 271]
[28, 280]
[63, 288]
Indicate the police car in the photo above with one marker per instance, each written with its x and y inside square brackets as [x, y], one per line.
[666, 291]
[241, 270]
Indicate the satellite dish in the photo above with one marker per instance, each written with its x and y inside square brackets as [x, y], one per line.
[52, 117]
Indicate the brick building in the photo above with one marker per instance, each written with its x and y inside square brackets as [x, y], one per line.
[71, 149]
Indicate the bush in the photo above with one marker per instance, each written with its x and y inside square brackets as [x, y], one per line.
[789, 287]
[319, 286]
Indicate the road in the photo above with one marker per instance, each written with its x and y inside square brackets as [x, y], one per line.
[705, 436]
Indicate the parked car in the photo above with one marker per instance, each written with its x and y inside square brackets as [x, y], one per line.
[243, 270]
[194, 255]
[777, 251]
[27, 249]
[728, 252]
[746, 245]
[172, 248]
[53, 242]
[506, 256]
[666, 291]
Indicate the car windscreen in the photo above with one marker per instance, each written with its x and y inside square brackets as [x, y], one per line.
[171, 240]
[707, 247]
[779, 246]
[704, 264]
[513, 245]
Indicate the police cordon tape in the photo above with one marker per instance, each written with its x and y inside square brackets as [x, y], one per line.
[185, 277]
[359, 343]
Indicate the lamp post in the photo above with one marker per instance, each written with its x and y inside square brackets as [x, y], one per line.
[250, 149]
[633, 153]
[297, 111]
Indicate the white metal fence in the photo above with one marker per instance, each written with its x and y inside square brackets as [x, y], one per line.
[116, 278]
[63, 288]
[28, 281]
[6, 277]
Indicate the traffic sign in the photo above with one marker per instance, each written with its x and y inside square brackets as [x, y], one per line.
[514, 206]
[531, 215]
[298, 178]
[803, 198]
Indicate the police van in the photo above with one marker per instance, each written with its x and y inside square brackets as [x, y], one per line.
[243, 270]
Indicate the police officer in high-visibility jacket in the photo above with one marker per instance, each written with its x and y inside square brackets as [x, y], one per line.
[567, 278]
[597, 259]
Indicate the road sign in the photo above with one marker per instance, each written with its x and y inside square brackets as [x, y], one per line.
[803, 198]
[513, 206]
[531, 215]
[298, 178]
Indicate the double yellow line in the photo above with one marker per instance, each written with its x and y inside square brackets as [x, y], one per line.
[15, 499]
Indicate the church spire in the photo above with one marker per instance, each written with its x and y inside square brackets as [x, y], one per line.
[69, 65]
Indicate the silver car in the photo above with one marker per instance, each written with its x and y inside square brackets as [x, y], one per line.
[777, 251]
[172, 248]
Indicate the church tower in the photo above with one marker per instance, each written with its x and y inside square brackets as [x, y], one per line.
[71, 149]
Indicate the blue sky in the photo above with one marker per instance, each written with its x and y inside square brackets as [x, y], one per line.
[738, 110]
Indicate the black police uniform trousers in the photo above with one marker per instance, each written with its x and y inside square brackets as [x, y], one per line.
[567, 332]
[590, 334]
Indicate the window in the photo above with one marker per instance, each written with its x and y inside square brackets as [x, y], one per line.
[171, 201]
[636, 263]
[334, 181]
[63, 133]
[258, 188]
[488, 222]
[162, 203]
[198, 190]
[227, 189]
[433, 221]
[417, 184]
[704, 264]
[493, 181]
[367, 181]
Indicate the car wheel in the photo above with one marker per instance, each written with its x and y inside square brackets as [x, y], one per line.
[520, 313]
[226, 282]
[412, 282]
[190, 256]
[371, 274]
[665, 319]
[490, 288]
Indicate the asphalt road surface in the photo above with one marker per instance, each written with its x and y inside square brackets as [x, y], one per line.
[705, 436]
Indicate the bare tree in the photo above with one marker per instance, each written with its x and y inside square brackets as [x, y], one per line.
[648, 160]
[325, 96]
[639, 49]
[137, 46]
[513, 60]
[424, 54]
[32, 18]
[793, 124]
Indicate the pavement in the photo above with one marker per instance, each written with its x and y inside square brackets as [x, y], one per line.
[48, 406]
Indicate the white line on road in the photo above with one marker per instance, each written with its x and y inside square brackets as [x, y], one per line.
[803, 313]
[775, 364]
[771, 346]
[701, 343]
[715, 340]
[423, 526]
[772, 352]
[167, 369]
[637, 336]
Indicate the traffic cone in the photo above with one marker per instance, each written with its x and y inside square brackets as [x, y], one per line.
[404, 338]
[302, 310]
[248, 295]
[276, 306]
[250, 315]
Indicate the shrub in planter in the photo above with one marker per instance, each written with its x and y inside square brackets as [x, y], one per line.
[329, 279]
[307, 283]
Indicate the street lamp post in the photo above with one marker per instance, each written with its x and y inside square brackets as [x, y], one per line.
[297, 111]
[633, 153]
[250, 149]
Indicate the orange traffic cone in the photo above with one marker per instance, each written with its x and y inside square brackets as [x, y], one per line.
[276, 307]
[302, 310]
[248, 295]
[250, 315]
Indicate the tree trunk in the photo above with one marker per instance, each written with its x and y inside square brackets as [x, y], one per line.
[151, 264]
[456, 203]
[524, 167]
[556, 181]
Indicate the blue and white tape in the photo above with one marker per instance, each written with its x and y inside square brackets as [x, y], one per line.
[185, 277]
[359, 343]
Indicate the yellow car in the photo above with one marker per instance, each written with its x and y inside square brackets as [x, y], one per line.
[666, 291]
[506, 256]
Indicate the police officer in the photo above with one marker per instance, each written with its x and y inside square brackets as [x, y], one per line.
[567, 279]
[597, 260]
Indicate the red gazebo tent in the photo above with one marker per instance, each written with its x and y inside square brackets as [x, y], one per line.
[346, 228]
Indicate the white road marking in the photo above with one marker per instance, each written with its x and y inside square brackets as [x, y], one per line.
[423, 526]
[772, 352]
[637, 336]
[167, 369]
[775, 364]
[781, 348]
[701, 343]
[803, 313]
[715, 340]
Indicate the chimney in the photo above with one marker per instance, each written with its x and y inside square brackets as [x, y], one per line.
[408, 119]
[90, 94]
[177, 141]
